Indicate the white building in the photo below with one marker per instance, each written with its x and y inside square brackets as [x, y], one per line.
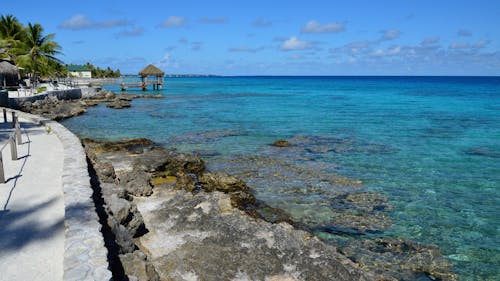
[78, 71]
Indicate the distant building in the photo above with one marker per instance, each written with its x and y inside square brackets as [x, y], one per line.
[79, 71]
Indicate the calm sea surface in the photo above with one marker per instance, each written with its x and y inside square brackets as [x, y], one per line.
[430, 144]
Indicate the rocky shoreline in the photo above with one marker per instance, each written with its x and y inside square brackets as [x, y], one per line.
[173, 220]
[57, 109]
[165, 217]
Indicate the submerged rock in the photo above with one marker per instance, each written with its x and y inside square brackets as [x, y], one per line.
[119, 104]
[205, 136]
[483, 151]
[281, 143]
[340, 204]
[400, 259]
[316, 145]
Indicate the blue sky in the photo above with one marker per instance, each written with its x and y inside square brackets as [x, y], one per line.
[275, 37]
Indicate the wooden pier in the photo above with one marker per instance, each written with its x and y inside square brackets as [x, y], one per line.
[157, 85]
[148, 71]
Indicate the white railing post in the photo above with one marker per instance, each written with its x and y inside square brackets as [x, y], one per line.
[18, 133]
[13, 148]
[13, 119]
[2, 175]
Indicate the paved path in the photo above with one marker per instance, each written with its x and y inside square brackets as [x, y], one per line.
[32, 207]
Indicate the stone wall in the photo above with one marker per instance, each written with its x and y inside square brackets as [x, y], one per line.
[85, 256]
[70, 94]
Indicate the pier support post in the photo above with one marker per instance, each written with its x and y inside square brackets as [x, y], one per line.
[13, 148]
[13, 119]
[5, 115]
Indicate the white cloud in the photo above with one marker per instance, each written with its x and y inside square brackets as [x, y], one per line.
[165, 61]
[196, 46]
[316, 27]
[430, 41]
[174, 21]
[76, 22]
[465, 45]
[80, 22]
[459, 45]
[213, 20]
[294, 43]
[390, 34]
[260, 22]
[481, 43]
[464, 33]
[111, 23]
[392, 51]
[245, 49]
[166, 57]
[135, 32]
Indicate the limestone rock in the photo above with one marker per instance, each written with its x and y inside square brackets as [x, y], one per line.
[107, 172]
[137, 265]
[195, 235]
[122, 236]
[136, 182]
[222, 182]
[126, 213]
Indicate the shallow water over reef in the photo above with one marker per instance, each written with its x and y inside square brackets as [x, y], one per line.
[397, 157]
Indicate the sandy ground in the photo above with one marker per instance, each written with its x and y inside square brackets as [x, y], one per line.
[32, 207]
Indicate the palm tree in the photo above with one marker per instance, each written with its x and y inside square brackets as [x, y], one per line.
[11, 34]
[38, 49]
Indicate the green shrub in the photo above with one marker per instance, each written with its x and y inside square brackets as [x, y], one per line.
[41, 90]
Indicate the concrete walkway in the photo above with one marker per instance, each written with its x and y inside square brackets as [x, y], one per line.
[32, 210]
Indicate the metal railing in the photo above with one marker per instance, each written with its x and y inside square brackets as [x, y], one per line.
[15, 138]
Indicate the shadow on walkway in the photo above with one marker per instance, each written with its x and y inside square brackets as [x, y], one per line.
[18, 230]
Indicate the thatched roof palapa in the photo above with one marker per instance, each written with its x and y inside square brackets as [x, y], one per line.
[151, 70]
[6, 68]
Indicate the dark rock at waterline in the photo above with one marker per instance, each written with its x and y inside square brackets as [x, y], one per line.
[281, 143]
[483, 151]
[400, 259]
[128, 145]
[55, 109]
[316, 145]
[205, 136]
[119, 104]
[222, 182]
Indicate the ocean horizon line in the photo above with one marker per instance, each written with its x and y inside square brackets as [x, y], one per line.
[179, 75]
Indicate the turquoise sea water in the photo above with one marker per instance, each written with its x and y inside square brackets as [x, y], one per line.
[430, 144]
